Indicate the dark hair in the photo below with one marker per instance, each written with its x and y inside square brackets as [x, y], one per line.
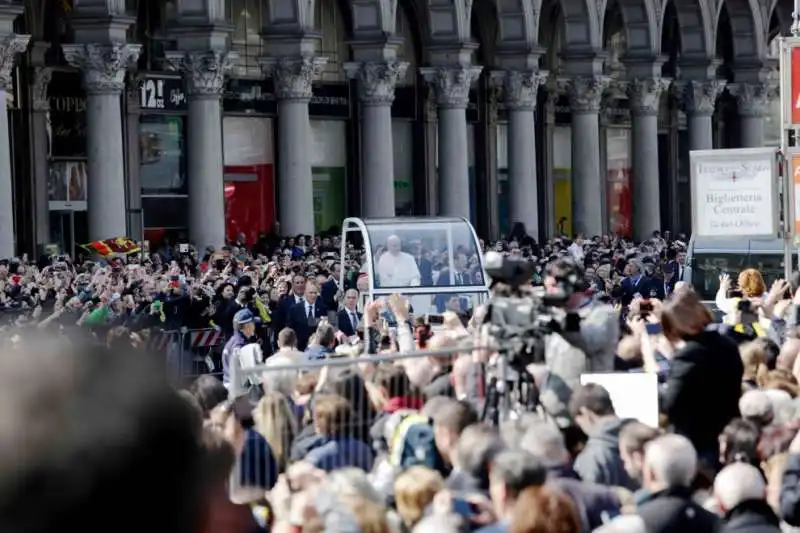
[209, 391]
[740, 440]
[592, 397]
[518, 470]
[105, 428]
[455, 416]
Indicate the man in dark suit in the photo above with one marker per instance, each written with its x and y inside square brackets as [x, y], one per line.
[305, 316]
[295, 296]
[461, 276]
[637, 282]
[348, 318]
[665, 286]
[424, 265]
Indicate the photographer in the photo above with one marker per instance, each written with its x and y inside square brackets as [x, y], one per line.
[588, 339]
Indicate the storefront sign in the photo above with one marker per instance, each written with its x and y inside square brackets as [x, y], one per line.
[734, 193]
[405, 102]
[331, 100]
[249, 96]
[67, 126]
[562, 111]
[160, 92]
[790, 81]
[617, 112]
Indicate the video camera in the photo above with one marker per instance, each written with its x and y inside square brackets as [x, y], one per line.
[518, 313]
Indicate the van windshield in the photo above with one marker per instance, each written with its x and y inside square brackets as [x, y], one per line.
[708, 267]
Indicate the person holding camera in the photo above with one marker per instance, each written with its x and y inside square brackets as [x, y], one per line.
[750, 288]
[589, 333]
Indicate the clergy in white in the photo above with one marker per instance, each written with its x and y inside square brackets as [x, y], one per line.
[397, 268]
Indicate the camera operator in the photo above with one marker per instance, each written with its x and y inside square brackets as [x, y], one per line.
[590, 328]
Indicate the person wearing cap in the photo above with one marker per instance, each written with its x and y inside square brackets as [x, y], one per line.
[244, 333]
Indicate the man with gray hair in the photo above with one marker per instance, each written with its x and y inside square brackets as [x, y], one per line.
[595, 503]
[740, 493]
[670, 465]
[396, 268]
[512, 471]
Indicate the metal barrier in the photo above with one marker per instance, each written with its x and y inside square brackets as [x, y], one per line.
[328, 413]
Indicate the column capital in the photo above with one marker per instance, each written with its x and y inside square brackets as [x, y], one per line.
[41, 81]
[645, 95]
[11, 45]
[293, 75]
[520, 87]
[376, 80]
[204, 71]
[753, 98]
[585, 93]
[451, 83]
[103, 65]
[700, 97]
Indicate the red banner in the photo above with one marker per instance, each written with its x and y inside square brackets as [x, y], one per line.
[794, 93]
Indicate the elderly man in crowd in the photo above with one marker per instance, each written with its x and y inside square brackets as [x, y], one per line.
[396, 268]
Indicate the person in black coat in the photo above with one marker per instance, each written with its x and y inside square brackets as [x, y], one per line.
[637, 282]
[348, 318]
[304, 317]
[670, 465]
[740, 493]
[703, 357]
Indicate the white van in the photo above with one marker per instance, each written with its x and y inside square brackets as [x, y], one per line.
[707, 258]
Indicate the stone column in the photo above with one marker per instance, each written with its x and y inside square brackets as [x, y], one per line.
[10, 46]
[451, 85]
[376, 83]
[293, 78]
[40, 145]
[645, 95]
[588, 179]
[205, 77]
[521, 89]
[700, 99]
[104, 67]
[753, 100]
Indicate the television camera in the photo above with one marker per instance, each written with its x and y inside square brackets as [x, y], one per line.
[519, 318]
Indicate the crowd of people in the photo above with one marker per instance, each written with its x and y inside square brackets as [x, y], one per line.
[343, 429]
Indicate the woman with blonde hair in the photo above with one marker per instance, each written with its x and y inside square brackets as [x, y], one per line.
[276, 421]
[754, 359]
[751, 285]
[544, 510]
[414, 490]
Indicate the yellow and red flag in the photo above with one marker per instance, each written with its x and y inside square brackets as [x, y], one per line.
[97, 248]
[120, 245]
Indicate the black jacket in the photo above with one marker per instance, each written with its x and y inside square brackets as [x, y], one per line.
[691, 407]
[673, 511]
[752, 516]
[595, 503]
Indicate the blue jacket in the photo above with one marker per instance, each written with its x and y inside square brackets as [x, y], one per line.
[341, 452]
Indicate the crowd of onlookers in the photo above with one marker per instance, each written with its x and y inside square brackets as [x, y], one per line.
[315, 442]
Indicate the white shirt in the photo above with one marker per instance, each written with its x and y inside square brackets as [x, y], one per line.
[398, 270]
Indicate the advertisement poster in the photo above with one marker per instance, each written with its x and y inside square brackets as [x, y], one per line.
[562, 179]
[618, 175]
[66, 186]
[329, 197]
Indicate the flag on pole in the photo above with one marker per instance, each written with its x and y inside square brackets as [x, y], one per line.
[120, 245]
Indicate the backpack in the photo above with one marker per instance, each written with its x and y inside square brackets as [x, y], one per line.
[411, 441]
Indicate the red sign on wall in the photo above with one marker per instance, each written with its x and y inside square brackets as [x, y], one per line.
[794, 92]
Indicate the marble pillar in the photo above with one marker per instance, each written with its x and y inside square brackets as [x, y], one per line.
[104, 67]
[204, 72]
[293, 77]
[10, 46]
[376, 84]
[645, 97]
[700, 99]
[588, 178]
[451, 85]
[753, 102]
[521, 89]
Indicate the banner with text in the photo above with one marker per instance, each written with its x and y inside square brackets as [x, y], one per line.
[735, 193]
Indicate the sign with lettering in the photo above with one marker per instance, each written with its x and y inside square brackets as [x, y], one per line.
[735, 193]
[67, 115]
[249, 96]
[330, 100]
[161, 92]
[790, 81]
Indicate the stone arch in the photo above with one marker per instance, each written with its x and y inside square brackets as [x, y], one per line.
[518, 21]
[747, 23]
[640, 25]
[694, 24]
[332, 20]
[373, 18]
[417, 30]
[782, 11]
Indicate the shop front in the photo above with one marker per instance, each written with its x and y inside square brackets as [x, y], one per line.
[617, 150]
[163, 178]
[67, 177]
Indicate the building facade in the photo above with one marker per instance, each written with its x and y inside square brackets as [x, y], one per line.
[207, 119]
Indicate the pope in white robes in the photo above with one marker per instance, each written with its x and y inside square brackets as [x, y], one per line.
[397, 268]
